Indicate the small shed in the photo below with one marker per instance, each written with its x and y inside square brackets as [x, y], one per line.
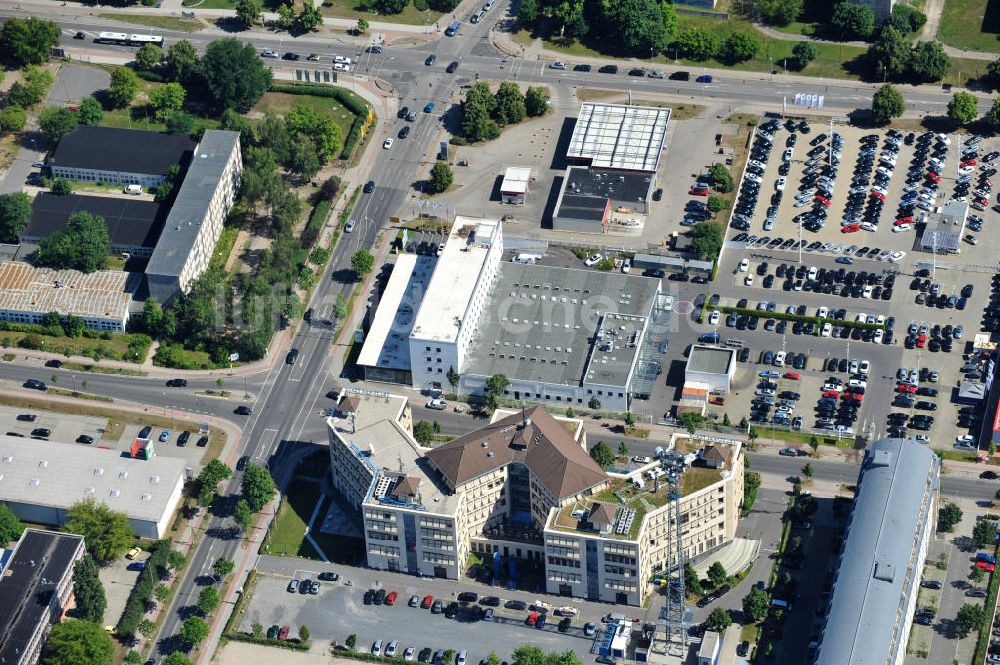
[514, 188]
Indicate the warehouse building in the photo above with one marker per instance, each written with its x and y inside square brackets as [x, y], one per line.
[944, 228]
[101, 298]
[618, 137]
[195, 221]
[119, 156]
[524, 489]
[134, 225]
[881, 563]
[588, 197]
[41, 480]
[711, 365]
[35, 590]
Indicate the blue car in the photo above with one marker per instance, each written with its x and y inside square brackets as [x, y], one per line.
[429, 108]
[704, 78]
[164, 435]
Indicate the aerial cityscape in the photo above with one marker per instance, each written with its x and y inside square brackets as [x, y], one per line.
[515, 332]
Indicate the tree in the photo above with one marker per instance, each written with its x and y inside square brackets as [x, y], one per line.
[362, 26]
[706, 239]
[309, 18]
[718, 620]
[208, 600]
[351, 641]
[179, 122]
[853, 21]
[692, 584]
[55, 122]
[258, 487]
[739, 47]
[83, 245]
[804, 52]
[536, 100]
[992, 116]
[176, 658]
[887, 103]
[89, 111]
[234, 74]
[32, 87]
[147, 627]
[124, 86]
[637, 26]
[814, 443]
[527, 12]
[977, 575]
[27, 41]
[477, 113]
[243, 515]
[929, 62]
[496, 386]
[304, 633]
[779, 12]
[602, 454]
[594, 404]
[453, 378]
[890, 54]
[61, 187]
[963, 108]
[970, 618]
[15, 213]
[423, 432]
[193, 631]
[756, 605]
[752, 435]
[623, 449]
[717, 573]
[88, 590]
[906, 19]
[132, 658]
[362, 261]
[949, 515]
[716, 204]
[78, 643]
[510, 107]
[808, 470]
[107, 532]
[13, 119]
[176, 560]
[223, 566]
[697, 43]
[182, 61]
[722, 180]
[441, 177]
[166, 99]
[984, 532]
[161, 592]
[286, 17]
[249, 12]
[149, 57]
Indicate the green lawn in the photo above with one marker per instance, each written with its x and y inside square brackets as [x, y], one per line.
[141, 117]
[115, 348]
[164, 22]
[965, 25]
[348, 9]
[280, 103]
[288, 532]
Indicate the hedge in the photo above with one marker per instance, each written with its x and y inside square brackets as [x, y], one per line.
[142, 592]
[152, 77]
[292, 644]
[353, 137]
[797, 317]
[351, 102]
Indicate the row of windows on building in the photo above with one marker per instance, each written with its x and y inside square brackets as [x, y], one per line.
[113, 177]
[104, 325]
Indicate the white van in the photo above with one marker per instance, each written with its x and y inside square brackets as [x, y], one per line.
[133, 189]
[527, 258]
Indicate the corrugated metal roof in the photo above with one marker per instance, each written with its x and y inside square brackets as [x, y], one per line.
[868, 622]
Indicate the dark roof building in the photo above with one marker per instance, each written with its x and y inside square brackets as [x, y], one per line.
[34, 590]
[588, 195]
[875, 590]
[134, 225]
[119, 156]
[534, 439]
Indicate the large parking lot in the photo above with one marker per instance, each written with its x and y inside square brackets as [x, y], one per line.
[803, 297]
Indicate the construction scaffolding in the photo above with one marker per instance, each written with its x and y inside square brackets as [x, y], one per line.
[670, 637]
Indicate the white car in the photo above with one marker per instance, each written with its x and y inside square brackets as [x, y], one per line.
[340, 67]
[627, 266]
[713, 318]
[753, 178]
[827, 329]
[748, 280]
[787, 155]
[822, 312]
[902, 228]
[943, 138]
[268, 53]
[879, 335]
[758, 164]
[437, 404]
[557, 65]
[387, 143]
[864, 366]
[390, 649]
[593, 259]
[744, 265]
[341, 60]
[780, 184]
[922, 438]
[377, 648]
[896, 257]
[408, 654]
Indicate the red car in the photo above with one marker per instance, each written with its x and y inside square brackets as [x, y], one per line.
[718, 401]
[793, 375]
[934, 178]
[969, 162]
[428, 601]
[854, 396]
[698, 191]
[825, 202]
[906, 388]
[391, 598]
[985, 565]
[878, 195]
[283, 633]
[831, 393]
[850, 228]
[987, 183]
[532, 618]
[905, 220]
[921, 341]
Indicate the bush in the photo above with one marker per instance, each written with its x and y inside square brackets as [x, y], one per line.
[142, 592]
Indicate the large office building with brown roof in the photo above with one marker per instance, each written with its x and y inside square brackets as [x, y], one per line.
[523, 487]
